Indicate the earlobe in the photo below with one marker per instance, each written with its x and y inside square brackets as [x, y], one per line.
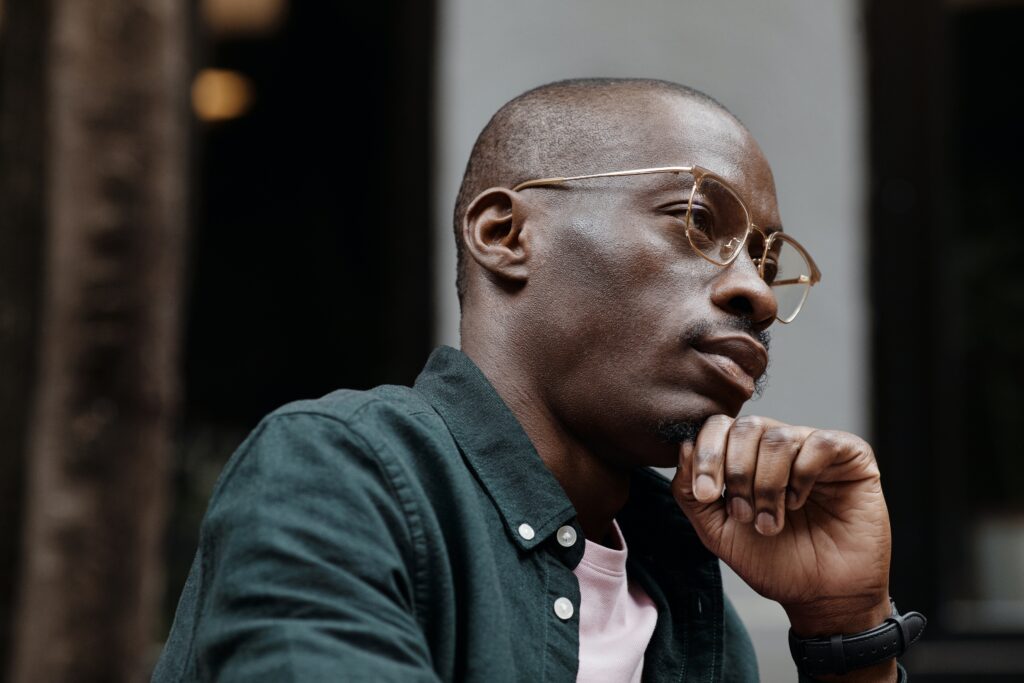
[492, 233]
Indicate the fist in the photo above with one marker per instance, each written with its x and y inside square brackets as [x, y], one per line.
[797, 512]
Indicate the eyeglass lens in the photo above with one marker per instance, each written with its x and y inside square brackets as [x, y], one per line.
[717, 220]
[788, 273]
[717, 225]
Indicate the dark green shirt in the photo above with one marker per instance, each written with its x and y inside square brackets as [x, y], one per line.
[379, 536]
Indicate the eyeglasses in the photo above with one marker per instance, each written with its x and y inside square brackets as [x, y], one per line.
[718, 227]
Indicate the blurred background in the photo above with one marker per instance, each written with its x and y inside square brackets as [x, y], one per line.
[210, 208]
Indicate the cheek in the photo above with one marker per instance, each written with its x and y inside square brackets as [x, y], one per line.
[612, 312]
[594, 273]
[617, 285]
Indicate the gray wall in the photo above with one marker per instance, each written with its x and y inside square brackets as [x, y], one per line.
[792, 71]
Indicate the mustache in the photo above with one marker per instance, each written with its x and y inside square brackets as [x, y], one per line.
[704, 328]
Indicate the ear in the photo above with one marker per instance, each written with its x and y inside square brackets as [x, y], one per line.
[492, 233]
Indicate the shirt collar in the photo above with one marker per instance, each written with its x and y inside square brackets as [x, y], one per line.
[495, 447]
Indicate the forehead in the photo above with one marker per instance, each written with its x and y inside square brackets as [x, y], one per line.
[675, 131]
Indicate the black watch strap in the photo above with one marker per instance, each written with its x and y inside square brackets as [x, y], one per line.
[840, 653]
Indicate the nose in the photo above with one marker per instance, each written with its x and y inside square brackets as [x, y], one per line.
[739, 290]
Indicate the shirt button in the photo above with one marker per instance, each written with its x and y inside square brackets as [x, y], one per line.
[526, 531]
[563, 608]
[566, 536]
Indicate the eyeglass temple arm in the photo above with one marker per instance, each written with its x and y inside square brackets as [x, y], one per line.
[801, 280]
[614, 174]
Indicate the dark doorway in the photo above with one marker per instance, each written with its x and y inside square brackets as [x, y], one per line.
[311, 268]
[948, 298]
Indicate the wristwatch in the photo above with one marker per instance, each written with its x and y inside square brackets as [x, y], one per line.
[839, 654]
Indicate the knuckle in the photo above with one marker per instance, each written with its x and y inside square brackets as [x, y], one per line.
[860, 445]
[748, 423]
[825, 438]
[766, 491]
[706, 457]
[779, 436]
[737, 478]
[719, 421]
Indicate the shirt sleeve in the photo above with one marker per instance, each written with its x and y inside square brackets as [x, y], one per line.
[307, 563]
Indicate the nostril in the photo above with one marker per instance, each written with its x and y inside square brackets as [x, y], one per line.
[741, 305]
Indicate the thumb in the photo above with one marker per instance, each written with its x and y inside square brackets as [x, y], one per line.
[707, 518]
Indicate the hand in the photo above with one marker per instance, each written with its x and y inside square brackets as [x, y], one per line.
[803, 520]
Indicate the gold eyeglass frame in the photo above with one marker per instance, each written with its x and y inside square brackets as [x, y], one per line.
[699, 174]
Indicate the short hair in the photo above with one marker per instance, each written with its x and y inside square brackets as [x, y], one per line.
[547, 130]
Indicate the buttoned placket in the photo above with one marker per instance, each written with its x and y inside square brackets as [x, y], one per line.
[567, 546]
[558, 554]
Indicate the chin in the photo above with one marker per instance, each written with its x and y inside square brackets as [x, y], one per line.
[675, 432]
[729, 405]
[684, 426]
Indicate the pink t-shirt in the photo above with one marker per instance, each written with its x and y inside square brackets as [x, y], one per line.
[617, 617]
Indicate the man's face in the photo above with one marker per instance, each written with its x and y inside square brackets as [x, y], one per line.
[636, 331]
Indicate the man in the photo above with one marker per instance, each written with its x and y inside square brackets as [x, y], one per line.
[620, 262]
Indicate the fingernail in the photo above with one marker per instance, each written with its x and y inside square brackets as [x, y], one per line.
[765, 523]
[791, 500]
[704, 489]
[741, 510]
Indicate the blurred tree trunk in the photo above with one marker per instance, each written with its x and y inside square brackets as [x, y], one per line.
[100, 433]
[22, 97]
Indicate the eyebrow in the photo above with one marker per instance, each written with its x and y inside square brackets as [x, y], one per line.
[671, 181]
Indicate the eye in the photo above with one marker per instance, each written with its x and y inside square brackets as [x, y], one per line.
[701, 219]
[675, 210]
[771, 269]
[757, 255]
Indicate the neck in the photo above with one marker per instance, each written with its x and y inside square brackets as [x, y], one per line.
[597, 488]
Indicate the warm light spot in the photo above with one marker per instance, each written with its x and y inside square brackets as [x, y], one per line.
[246, 17]
[219, 94]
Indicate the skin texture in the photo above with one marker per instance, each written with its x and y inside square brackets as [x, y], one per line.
[580, 306]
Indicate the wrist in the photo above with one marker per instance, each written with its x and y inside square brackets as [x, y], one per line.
[844, 616]
[857, 657]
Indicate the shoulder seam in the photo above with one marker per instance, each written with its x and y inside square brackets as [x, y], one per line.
[391, 473]
[401, 489]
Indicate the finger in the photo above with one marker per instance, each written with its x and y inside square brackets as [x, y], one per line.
[707, 518]
[740, 465]
[682, 482]
[709, 458]
[822, 448]
[777, 451]
[685, 468]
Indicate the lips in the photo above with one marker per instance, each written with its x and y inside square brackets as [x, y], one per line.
[738, 357]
